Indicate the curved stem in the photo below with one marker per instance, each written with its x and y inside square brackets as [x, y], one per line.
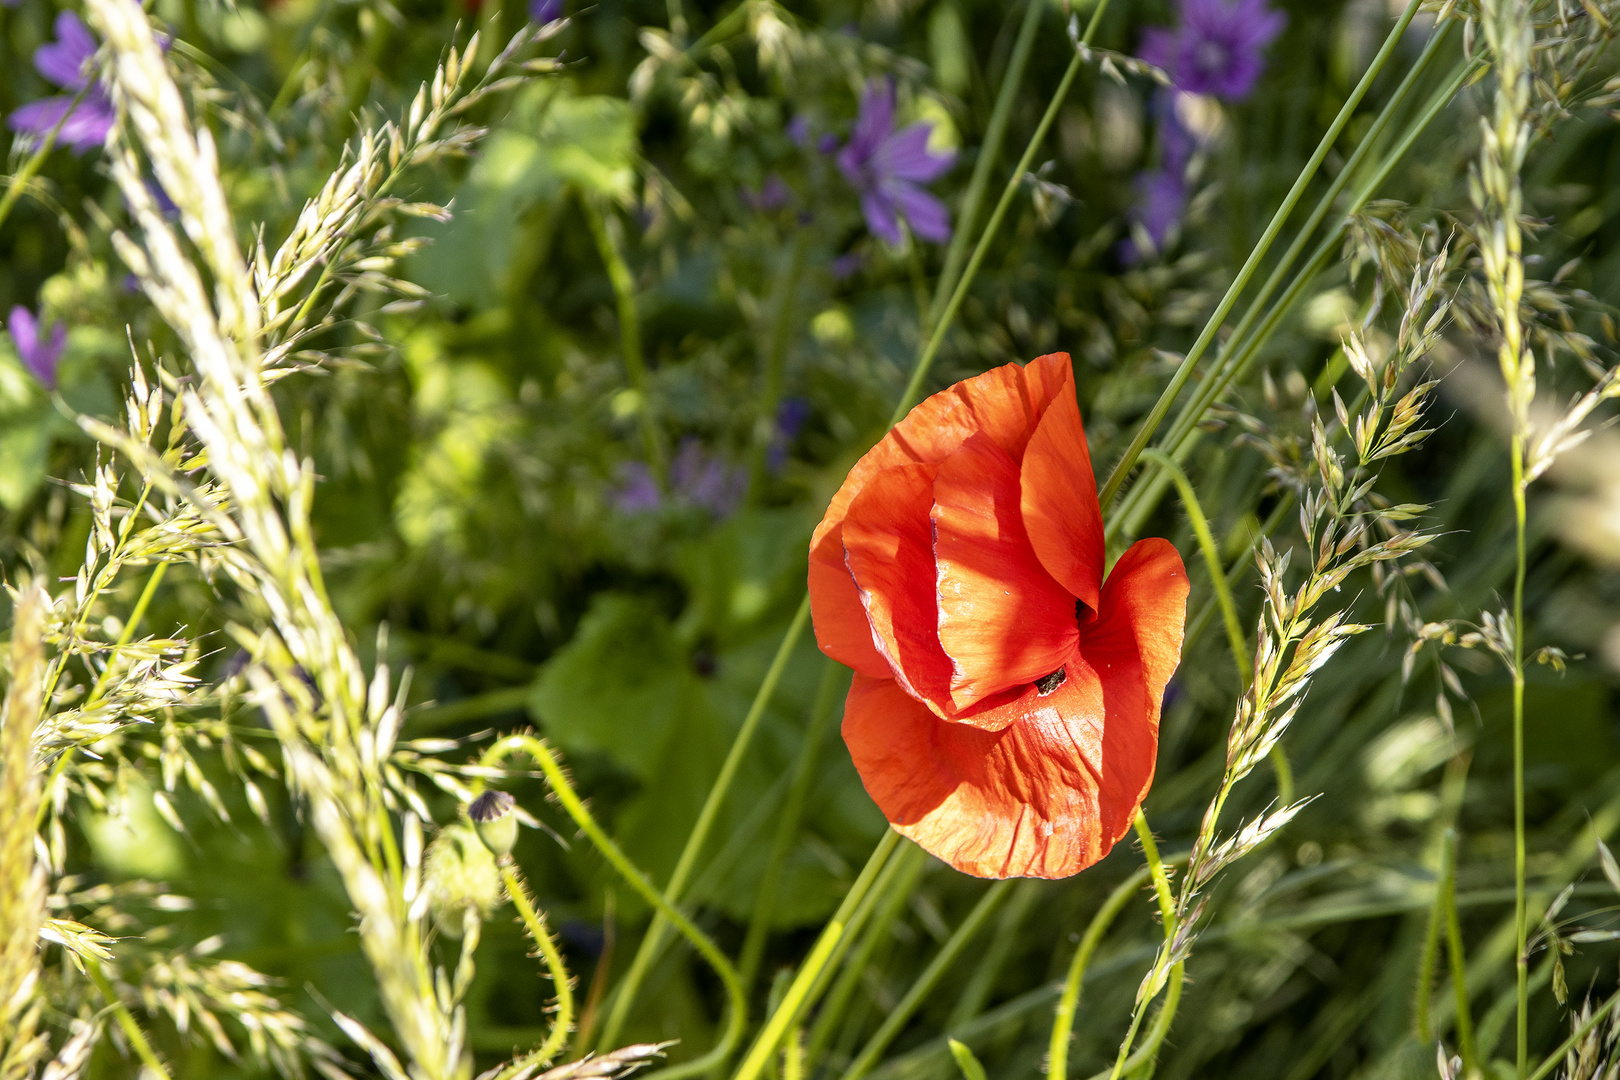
[1069, 1000]
[926, 982]
[1212, 560]
[1156, 416]
[737, 1005]
[658, 932]
[1156, 1034]
[562, 1025]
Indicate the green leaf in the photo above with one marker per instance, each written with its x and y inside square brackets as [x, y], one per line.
[971, 1069]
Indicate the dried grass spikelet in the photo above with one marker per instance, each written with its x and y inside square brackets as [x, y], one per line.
[461, 878]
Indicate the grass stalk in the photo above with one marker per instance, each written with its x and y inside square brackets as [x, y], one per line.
[1156, 415]
[657, 932]
[926, 982]
[787, 825]
[1521, 919]
[822, 955]
[126, 1019]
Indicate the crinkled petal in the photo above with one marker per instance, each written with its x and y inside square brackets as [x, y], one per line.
[905, 155]
[928, 216]
[1134, 644]
[888, 546]
[1005, 402]
[1003, 620]
[1020, 802]
[1059, 498]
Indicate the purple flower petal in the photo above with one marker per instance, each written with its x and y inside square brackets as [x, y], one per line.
[845, 266]
[40, 356]
[64, 60]
[545, 12]
[637, 490]
[878, 210]
[928, 217]
[798, 131]
[85, 129]
[907, 156]
[873, 122]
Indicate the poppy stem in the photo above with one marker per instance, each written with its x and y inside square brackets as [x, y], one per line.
[574, 807]
[562, 1024]
[1161, 407]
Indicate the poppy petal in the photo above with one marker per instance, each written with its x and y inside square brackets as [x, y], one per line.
[1134, 644]
[1059, 494]
[1021, 802]
[1003, 620]
[1006, 402]
[888, 546]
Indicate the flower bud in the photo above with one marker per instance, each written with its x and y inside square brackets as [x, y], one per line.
[492, 816]
[460, 877]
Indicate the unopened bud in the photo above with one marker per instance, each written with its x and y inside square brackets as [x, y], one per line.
[492, 816]
[461, 878]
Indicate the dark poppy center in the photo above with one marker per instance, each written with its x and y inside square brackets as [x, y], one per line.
[1049, 683]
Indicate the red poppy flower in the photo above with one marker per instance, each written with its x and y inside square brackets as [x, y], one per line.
[1005, 708]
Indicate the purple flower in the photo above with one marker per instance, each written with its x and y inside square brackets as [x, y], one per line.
[1177, 143]
[790, 417]
[40, 356]
[705, 480]
[1161, 196]
[798, 131]
[545, 12]
[66, 62]
[1217, 46]
[887, 166]
[637, 490]
[846, 265]
[773, 194]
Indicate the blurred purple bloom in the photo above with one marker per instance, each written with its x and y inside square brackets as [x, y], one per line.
[846, 265]
[11, 3]
[545, 12]
[887, 166]
[773, 194]
[790, 417]
[1177, 143]
[637, 490]
[1216, 47]
[65, 62]
[1161, 196]
[798, 131]
[701, 479]
[40, 356]
[827, 143]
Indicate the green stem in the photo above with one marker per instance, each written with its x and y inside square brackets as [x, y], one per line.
[126, 1019]
[1431, 945]
[1184, 433]
[128, 634]
[1556, 1058]
[562, 1025]
[1212, 560]
[635, 364]
[787, 826]
[926, 360]
[773, 359]
[19, 180]
[926, 982]
[1454, 952]
[888, 898]
[1156, 416]
[797, 998]
[737, 1005]
[1156, 1034]
[1069, 1000]
[657, 933]
[1521, 922]
[989, 150]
